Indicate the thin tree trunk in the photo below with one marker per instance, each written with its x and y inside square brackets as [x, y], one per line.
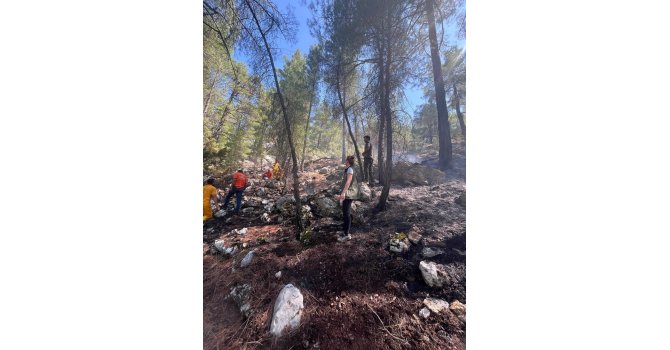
[356, 134]
[209, 97]
[457, 105]
[442, 116]
[344, 140]
[346, 118]
[382, 120]
[296, 192]
[309, 112]
[219, 125]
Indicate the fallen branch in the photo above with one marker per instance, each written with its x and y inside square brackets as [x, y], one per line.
[384, 327]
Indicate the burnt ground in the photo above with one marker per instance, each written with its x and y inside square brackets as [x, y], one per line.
[357, 294]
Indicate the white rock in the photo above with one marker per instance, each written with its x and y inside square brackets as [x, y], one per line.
[436, 305]
[242, 231]
[278, 274]
[221, 213]
[265, 217]
[247, 259]
[219, 245]
[433, 274]
[287, 310]
[398, 246]
[424, 313]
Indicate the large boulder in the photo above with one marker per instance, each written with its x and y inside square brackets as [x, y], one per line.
[285, 204]
[287, 310]
[417, 174]
[365, 193]
[327, 207]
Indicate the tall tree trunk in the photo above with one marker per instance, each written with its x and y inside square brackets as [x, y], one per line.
[356, 133]
[382, 120]
[386, 102]
[442, 116]
[309, 112]
[457, 105]
[344, 140]
[346, 118]
[296, 192]
[209, 97]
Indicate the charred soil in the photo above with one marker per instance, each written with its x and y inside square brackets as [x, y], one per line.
[357, 294]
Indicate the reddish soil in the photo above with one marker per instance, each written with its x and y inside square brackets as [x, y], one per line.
[357, 294]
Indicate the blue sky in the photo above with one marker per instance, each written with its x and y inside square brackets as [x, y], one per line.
[304, 40]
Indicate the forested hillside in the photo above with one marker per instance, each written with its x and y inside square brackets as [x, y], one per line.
[275, 273]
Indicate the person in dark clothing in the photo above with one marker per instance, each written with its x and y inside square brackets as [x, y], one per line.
[367, 161]
[348, 195]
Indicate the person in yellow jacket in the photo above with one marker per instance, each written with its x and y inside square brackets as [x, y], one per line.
[208, 193]
[276, 170]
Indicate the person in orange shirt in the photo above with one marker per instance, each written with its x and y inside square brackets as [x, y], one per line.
[237, 188]
[208, 193]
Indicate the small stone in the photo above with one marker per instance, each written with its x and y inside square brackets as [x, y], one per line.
[428, 252]
[424, 313]
[457, 308]
[278, 274]
[219, 245]
[436, 305]
[242, 231]
[247, 259]
[240, 295]
[229, 251]
[433, 274]
[414, 237]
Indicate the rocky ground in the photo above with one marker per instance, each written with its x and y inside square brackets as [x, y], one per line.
[398, 284]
